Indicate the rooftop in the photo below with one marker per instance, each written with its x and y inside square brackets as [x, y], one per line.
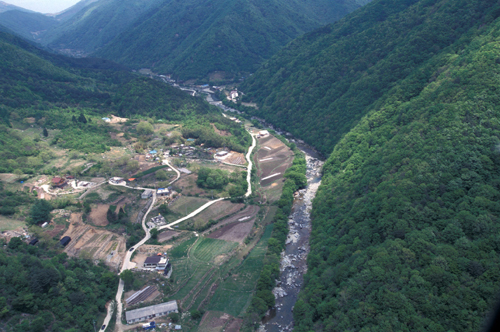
[153, 260]
[152, 310]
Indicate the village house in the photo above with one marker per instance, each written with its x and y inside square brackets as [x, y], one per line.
[147, 194]
[157, 262]
[58, 182]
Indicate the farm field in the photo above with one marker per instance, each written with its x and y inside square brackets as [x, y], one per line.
[272, 159]
[234, 294]
[216, 211]
[185, 205]
[196, 263]
[216, 321]
[91, 243]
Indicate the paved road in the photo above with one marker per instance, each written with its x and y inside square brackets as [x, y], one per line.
[165, 161]
[192, 214]
[249, 171]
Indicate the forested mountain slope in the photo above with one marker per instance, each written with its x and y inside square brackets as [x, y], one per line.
[97, 24]
[29, 25]
[406, 222]
[321, 84]
[195, 38]
[34, 79]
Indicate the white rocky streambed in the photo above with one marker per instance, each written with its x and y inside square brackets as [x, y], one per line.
[293, 259]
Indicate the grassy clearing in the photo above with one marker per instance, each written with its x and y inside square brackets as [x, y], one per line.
[234, 294]
[7, 224]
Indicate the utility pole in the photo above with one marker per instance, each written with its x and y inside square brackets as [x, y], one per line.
[94, 325]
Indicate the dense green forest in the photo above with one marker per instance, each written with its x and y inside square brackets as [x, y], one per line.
[41, 289]
[27, 24]
[405, 224]
[97, 24]
[320, 85]
[194, 38]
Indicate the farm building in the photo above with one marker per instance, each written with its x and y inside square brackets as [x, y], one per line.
[64, 241]
[163, 309]
[163, 192]
[147, 194]
[58, 182]
[263, 133]
[222, 153]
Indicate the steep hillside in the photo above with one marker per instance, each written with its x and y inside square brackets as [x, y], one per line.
[96, 24]
[72, 11]
[29, 25]
[321, 84]
[405, 224]
[196, 38]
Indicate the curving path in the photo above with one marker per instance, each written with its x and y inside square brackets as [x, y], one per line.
[249, 171]
[126, 261]
[165, 161]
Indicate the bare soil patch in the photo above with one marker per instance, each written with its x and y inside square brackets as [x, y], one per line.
[235, 232]
[98, 215]
[216, 211]
[165, 236]
[236, 158]
[55, 231]
[234, 326]
[214, 321]
[246, 215]
[116, 119]
[89, 242]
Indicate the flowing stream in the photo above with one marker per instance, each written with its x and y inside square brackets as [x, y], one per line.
[293, 259]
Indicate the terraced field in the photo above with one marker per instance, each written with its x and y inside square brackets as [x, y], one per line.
[197, 265]
[234, 294]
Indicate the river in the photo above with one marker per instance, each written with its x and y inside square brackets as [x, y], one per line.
[293, 259]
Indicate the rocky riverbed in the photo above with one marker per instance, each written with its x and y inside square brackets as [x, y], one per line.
[293, 259]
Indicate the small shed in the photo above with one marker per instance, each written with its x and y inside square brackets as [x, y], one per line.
[147, 194]
[33, 242]
[64, 241]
